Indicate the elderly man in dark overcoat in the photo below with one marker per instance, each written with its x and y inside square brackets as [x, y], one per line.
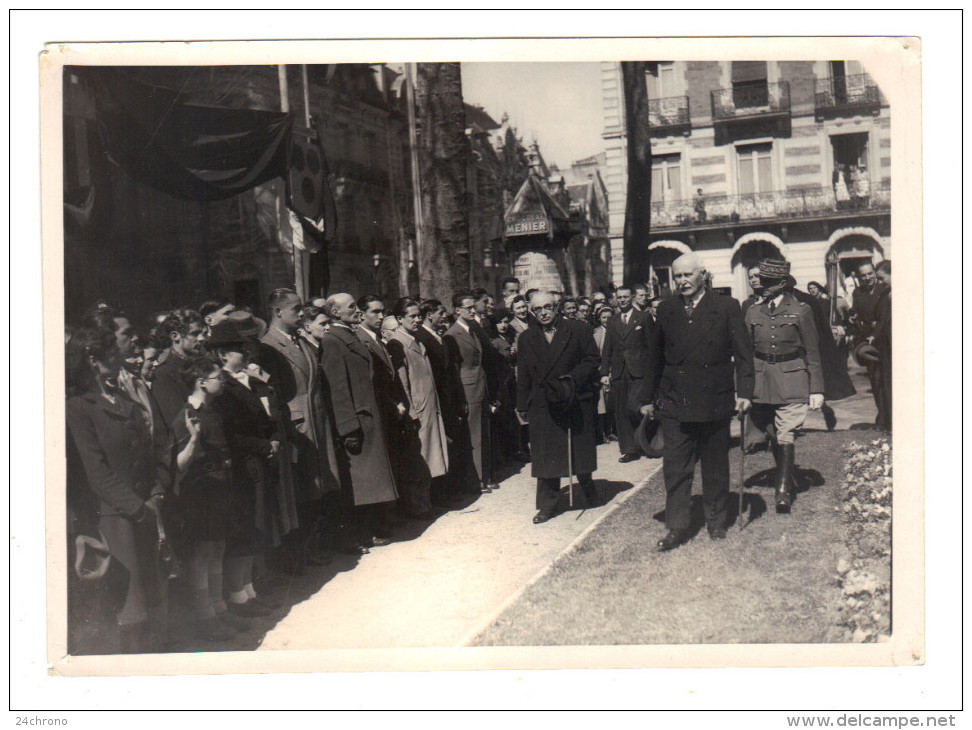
[557, 370]
[363, 460]
[698, 345]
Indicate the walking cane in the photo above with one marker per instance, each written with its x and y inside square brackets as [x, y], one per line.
[743, 516]
[570, 466]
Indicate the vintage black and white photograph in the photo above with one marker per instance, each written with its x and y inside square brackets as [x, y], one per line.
[477, 354]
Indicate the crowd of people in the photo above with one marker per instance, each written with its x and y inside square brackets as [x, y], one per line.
[216, 447]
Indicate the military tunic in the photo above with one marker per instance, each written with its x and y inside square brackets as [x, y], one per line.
[786, 362]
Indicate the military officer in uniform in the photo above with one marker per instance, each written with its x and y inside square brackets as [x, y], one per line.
[789, 379]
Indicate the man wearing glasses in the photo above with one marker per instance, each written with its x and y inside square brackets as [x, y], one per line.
[557, 366]
[468, 350]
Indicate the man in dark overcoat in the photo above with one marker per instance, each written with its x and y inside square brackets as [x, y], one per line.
[363, 460]
[557, 370]
[626, 343]
[698, 345]
[412, 475]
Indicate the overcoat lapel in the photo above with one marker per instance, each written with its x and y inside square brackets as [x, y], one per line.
[704, 318]
[561, 338]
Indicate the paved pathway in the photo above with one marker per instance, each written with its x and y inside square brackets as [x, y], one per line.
[440, 586]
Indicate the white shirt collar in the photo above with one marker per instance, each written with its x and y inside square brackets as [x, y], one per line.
[367, 331]
[431, 332]
[241, 376]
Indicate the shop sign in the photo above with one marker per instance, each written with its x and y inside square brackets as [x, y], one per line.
[527, 224]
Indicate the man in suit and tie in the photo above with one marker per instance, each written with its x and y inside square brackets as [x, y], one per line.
[623, 365]
[452, 399]
[700, 369]
[469, 350]
[292, 365]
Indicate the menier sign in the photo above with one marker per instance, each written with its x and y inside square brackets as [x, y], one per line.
[527, 224]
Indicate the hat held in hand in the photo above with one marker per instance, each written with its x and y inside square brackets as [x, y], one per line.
[559, 392]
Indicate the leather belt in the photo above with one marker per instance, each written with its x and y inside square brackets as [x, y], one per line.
[773, 359]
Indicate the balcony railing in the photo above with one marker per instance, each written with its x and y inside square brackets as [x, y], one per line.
[669, 115]
[840, 95]
[746, 101]
[781, 204]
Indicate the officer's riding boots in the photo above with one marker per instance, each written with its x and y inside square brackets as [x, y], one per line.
[784, 477]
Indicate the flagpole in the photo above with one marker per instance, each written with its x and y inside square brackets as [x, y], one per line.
[283, 214]
[416, 179]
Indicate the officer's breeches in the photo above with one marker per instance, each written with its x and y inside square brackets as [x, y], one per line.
[783, 419]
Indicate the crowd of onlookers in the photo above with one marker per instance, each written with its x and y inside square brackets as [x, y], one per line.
[215, 449]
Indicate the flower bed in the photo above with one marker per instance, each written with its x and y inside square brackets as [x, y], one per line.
[864, 569]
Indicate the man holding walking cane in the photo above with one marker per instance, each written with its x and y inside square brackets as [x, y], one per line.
[700, 370]
[557, 368]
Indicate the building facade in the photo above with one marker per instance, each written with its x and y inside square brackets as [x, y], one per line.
[756, 158]
[147, 251]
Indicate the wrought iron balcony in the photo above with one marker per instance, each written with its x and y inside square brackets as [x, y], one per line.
[669, 116]
[749, 101]
[776, 205]
[846, 96]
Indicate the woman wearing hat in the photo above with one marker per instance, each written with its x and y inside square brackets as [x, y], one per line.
[251, 417]
[789, 378]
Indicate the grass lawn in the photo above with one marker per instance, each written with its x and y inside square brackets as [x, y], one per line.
[775, 581]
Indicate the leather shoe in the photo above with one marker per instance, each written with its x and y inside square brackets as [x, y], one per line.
[353, 550]
[629, 457]
[377, 542]
[672, 540]
[485, 489]
[542, 517]
[248, 609]
[610, 437]
[717, 533]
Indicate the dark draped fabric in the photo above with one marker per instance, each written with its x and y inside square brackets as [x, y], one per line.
[191, 152]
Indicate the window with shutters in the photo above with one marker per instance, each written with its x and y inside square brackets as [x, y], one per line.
[750, 88]
[666, 178]
[755, 168]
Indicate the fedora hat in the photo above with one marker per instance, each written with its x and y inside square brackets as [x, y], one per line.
[649, 437]
[239, 326]
[866, 353]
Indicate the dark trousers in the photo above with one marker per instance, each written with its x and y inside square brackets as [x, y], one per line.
[548, 492]
[877, 380]
[686, 443]
[621, 388]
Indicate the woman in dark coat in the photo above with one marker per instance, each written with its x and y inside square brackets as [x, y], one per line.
[128, 470]
[251, 417]
[557, 368]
